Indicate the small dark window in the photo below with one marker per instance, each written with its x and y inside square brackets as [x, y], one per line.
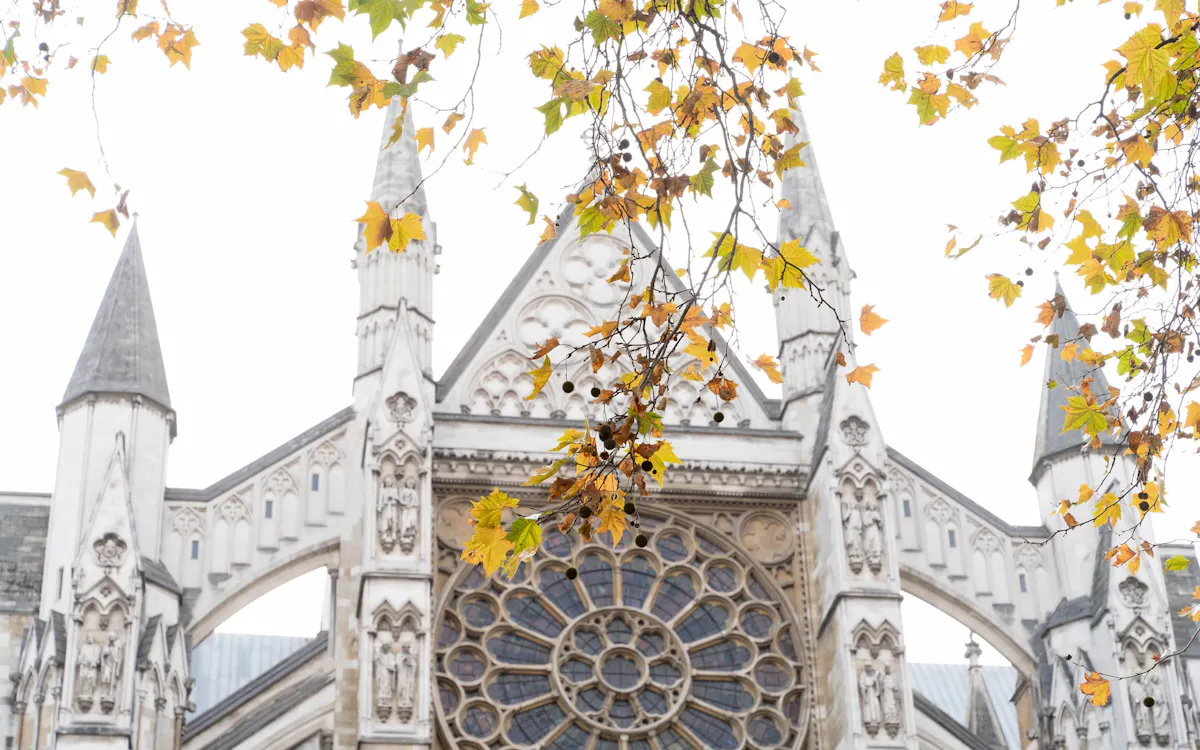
[907, 508]
[270, 506]
[1021, 581]
[950, 536]
[316, 482]
[195, 549]
[61, 575]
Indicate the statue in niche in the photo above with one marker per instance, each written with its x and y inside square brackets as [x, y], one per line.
[88, 669]
[388, 510]
[890, 702]
[406, 668]
[110, 672]
[869, 691]
[1142, 720]
[1160, 718]
[872, 521]
[408, 506]
[852, 523]
[385, 681]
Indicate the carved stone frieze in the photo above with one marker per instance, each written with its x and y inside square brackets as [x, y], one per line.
[862, 527]
[767, 536]
[395, 662]
[877, 664]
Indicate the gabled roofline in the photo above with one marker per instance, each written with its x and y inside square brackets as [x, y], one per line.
[275, 456]
[947, 722]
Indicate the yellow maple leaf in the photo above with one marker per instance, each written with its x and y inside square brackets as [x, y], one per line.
[77, 181]
[893, 73]
[30, 87]
[1168, 227]
[1002, 288]
[377, 227]
[404, 230]
[869, 321]
[549, 232]
[663, 455]
[783, 204]
[787, 268]
[424, 138]
[699, 350]
[750, 55]
[1108, 510]
[100, 63]
[1085, 493]
[767, 364]
[612, 515]
[1147, 62]
[862, 374]
[1026, 354]
[1069, 352]
[489, 546]
[177, 43]
[487, 512]
[952, 9]
[1192, 420]
[972, 43]
[475, 139]
[1096, 688]
[541, 376]
[291, 56]
[528, 8]
[107, 219]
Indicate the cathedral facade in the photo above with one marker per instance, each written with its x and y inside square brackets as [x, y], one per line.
[763, 613]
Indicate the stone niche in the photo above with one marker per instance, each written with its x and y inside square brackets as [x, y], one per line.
[398, 506]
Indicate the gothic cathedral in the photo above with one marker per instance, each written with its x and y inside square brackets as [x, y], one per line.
[763, 613]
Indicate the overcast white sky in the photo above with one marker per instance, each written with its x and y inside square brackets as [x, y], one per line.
[247, 181]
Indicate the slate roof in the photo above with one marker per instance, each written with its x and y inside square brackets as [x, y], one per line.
[122, 353]
[146, 641]
[60, 636]
[156, 572]
[22, 552]
[1051, 439]
[948, 687]
[269, 712]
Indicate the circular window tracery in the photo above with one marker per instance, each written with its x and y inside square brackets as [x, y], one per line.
[681, 645]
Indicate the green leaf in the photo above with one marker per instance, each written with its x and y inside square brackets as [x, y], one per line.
[702, 181]
[525, 535]
[447, 43]
[528, 202]
[602, 27]
[553, 113]
[343, 69]
[1176, 563]
[475, 13]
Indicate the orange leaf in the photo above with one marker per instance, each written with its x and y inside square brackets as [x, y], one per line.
[869, 321]
[1026, 354]
[862, 374]
[767, 364]
[545, 348]
[1096, 687]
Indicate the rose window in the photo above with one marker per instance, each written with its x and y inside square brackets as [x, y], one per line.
[683, 644]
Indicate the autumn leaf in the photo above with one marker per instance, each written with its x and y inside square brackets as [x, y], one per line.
[313, 12]
[451, 120]
[107, 219]
[933, 54]
[767, 364]
[1108, 510]
[1095, 687]
[893, 73]
[404, 230]
[126, 8]
[1147, 62]
[527, 201]
[550, 232]
[1002, 288]
[528, 8]
[952, 9]
[447, 43]
[1085, 416]
[1168, 227]
[489, 546]
[1176, 564]
[541, 376]
[487, 512]
[525, 535]
[700, 350]
[786, 269]
[424, 138]
[475, 139]
[1026, 354]
[77, 181]
[664, 454]
[545, 347]
[724, 389]
[611, 516]
[377, 227]
[100, 63]
[177, 43]
[869, 321]
[862, 374]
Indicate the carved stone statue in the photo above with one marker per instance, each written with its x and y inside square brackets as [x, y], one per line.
[1141, 712]
[88, 670]
[1160, 717]
[890, 702]
[385, 681]
[387, 508]
[407, 682]
[408, 507]
[868, 689]
[852, 524]
[872, 521]
[110, 672]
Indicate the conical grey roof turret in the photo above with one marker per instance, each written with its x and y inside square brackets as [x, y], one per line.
[808, 218]
[122, 352]
[398, 175]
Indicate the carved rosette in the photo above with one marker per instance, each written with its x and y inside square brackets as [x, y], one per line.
[854, 431]
[110, 550]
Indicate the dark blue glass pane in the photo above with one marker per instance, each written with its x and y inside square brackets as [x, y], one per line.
[574, 738]
[473, 578]
[530, 613]
[772, 677]
[721, 577]
[757, 590]
[786, 646]
[577, 670]
[562, 592]
[622, 713]
[448, 634]
[726, 656]
[605, 743]
[590, 700]
[651, 644]
[619, 631]
[518, 688]
[714, 732]
[729, 695]
[669, 739]
[639, 745]
[466, 666]
[597, 577]
[589, 642]
[706, 620]
[708, 546]
[653, 702]
[637, 576]
[793, 707]
[677, 592]
[479, 721]
[671, 546]
[556, 543]
[756, 623]
[479, 612]
[532, 724]
[512, 648]
[665, 674]
[763, 731]
[621, 671]
[448, 695]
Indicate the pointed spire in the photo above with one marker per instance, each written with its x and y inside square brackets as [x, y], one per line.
[122, 353]
[981, 714]
[398, 167]
[809, 218]
[1067, 376]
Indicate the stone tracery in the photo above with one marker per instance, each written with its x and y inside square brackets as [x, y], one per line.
[685, 640]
